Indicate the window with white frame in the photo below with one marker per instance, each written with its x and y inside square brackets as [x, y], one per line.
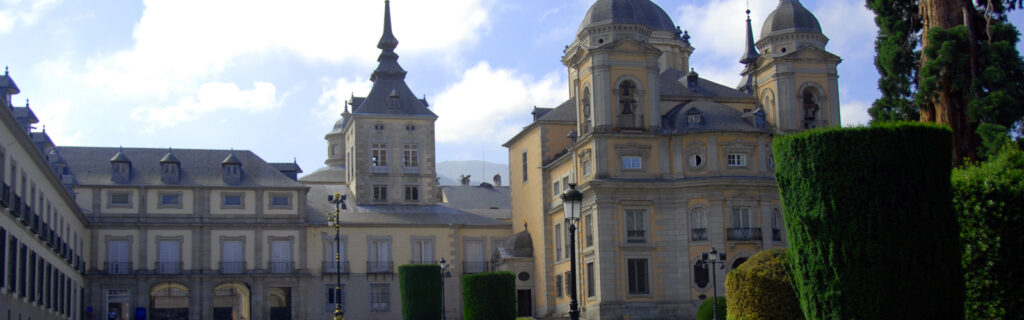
[411, 155]
[588, 229]
[632, 162]
[558, 242]
[232, 256]
[379, 155]
[565, 183]
[119, 259]
[281, 256]
[280, 200]
[741, 217]
[474, 253]
[737, 159]
[169, 199]
[636, 270]
[412, 193]
[333, 248]
[379, 256]
[232, 200]
[422, 251]
[698, 224]
[380, 192]
[120, 199]
[334, 296]
[636, 226]
[169, 261]
[380, 297]
[586, 166]
[556, 189]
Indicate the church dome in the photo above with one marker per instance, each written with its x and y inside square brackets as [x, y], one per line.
[789, 16]
[642, 12]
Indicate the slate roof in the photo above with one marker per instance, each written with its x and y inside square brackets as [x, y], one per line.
[563, 112]
[8, 83]
[477, 197]
[286, 166]
[643, 12]
[670, 84]
[325, 175]
[91, 166]
[519, 245]
[417, 215]
[21, 113]
[717, 117]
[789, 16]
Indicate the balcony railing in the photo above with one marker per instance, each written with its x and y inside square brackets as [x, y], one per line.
[776, 235]
[699, 234]
[422, 262]
[379, 267]
[282, 267]
[119, 267]
[469, 267]
[744, 234]
[232, 267]
[635, 236]
[331, 267]
[168, 267]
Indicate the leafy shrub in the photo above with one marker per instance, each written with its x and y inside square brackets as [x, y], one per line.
[420, 286]
[489, 296]
[705, 311]
[872, 230]
[760, 289]
[988, 198]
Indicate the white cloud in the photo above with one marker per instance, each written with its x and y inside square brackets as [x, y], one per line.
[54, 117]
[487, 100]
[211, 97]
[850, 27]
[334, 95]
[854, 113]
[26, 12]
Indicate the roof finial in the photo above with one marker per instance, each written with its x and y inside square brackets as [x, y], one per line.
[750, 55]
[26, 103]
[44, 128]
[6, 71]
[686, 36]
[387, 42]
[388, 60]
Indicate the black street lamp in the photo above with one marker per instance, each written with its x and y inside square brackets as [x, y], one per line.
[335, 221]
[714, 257]
[445, 273]
[571, 201]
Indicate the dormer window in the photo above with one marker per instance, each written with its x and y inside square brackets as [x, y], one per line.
[694, 118]
[120, 168]
[170, 168]
[232, 169]
[393, 101]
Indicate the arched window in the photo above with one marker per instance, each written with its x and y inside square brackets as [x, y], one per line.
[810, 107]
[585, 101]
[736, 263]
[698, 225]
[627, 104]
[700, 274]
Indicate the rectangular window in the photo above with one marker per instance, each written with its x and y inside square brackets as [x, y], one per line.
[335, 296]
[635, 226]
[590, 280]
[411, 155]
[280, 200]
[588, 229]
[558, 242]
[558, 285]
[169, 260]
[632, 162]
[22, 259]
[379, 256]
[118, 257]
[423, 251]
[169, 199]
[568, 286]
[741, 217]
[12, 263]
[556, 189]
[737, 159]
[232, 256]
[637, 274]
[3, 255]
[412, 193]
[380, 192]
[120, 199]
[333, 248]
[380, 297]
[379, 155]
[474, 253]
[31, 276]
[232, 200]
[586, 166]
[566, 232]
[565, 183]
[525, 172]
[281, 256]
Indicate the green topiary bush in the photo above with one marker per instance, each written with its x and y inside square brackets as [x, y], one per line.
[420, 286]
[760, 289]
[989, 199]
[489, 296]
[705, 311]
[872, 230]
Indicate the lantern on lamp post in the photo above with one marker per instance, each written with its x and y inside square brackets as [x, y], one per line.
[712, 258]
[334, 220]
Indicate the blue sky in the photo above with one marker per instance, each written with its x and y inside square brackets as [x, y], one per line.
[271, 76]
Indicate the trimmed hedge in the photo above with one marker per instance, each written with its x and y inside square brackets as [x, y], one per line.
[988, 198]
[760, 289]
[872, 230]
[420, 286]
[706, 307]
[489, 296]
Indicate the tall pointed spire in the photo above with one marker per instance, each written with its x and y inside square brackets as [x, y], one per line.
[750, 55]
[387, 67]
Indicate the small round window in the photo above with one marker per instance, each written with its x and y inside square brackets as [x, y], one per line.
[600, 40]
[783, 49]
[523, 276]
[696, 160]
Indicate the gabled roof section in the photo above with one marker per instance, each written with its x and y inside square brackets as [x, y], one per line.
[563, 112]
[7, 84]
[716, 118]
[671, 86]
[91, 166]
[390, 215]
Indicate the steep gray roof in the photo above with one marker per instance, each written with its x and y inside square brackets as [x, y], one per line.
[563, 112]
[286, 166]
[671, 86]
[405, 215]
[7, 83]
[24, 113]
[519, 245]
[789, 16]
[325, 175]
[477, 197]
[716, 117]
[642, 12]
[91, 166]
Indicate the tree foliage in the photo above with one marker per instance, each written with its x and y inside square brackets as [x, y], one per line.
[761, 289]
[489, 296]
[420, 288]
[707, 309]
[988, 199]
[896, 59]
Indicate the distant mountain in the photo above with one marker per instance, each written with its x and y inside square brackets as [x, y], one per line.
[478, 171]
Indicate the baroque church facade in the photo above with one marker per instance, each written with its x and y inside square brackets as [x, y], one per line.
[670, 164]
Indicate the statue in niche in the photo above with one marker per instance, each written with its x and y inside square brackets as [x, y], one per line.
[810, 106]
[627, 104]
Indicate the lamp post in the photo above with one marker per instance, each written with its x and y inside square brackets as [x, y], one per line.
[445, 273]
[571, 201]
[335, 221]
[714, 257]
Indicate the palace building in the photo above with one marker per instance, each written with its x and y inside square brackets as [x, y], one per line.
[670, 164]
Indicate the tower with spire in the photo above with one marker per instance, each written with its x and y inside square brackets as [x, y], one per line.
[384, 145]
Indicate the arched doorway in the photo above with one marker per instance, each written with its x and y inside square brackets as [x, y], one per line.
[736, 263]
[280, 301]
[168, 301]
[231, 301]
